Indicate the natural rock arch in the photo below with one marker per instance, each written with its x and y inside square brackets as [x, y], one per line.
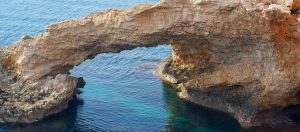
[236, 56]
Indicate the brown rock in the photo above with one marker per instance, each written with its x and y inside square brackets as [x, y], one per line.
[241, 57]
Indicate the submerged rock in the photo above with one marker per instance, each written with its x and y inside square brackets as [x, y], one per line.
[238, 56]
[80, 83]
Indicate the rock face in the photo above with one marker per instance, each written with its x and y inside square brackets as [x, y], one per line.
[238, 56]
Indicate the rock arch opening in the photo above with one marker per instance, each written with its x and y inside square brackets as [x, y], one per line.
[120, 65]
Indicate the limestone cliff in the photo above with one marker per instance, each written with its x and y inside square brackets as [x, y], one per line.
[238, 56]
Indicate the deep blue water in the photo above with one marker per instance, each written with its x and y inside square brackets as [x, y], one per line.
[122, 93]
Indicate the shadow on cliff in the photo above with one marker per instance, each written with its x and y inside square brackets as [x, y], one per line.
[63, 121]
[293, 112]
[186, 116]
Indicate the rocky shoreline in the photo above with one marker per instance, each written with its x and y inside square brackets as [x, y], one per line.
[240, 57]
[231, 99]
[25, 102]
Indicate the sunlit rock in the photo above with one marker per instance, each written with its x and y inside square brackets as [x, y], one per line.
[238, 56]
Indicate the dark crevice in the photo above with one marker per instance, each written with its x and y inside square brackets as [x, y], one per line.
[295, 11]
[293, 111]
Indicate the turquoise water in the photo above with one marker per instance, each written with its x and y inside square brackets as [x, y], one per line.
[122, 93]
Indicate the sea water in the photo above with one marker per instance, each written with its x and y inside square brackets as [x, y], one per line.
[122, 93]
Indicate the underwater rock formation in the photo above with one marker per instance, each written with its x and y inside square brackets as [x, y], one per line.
[238, 56]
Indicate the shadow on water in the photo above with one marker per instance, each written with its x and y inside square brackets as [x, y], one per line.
[186, 116]
[62, 122]
[183, 116]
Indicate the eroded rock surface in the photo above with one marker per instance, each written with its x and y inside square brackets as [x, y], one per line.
[238, 56]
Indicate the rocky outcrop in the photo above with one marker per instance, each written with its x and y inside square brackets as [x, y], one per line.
[238, 56]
